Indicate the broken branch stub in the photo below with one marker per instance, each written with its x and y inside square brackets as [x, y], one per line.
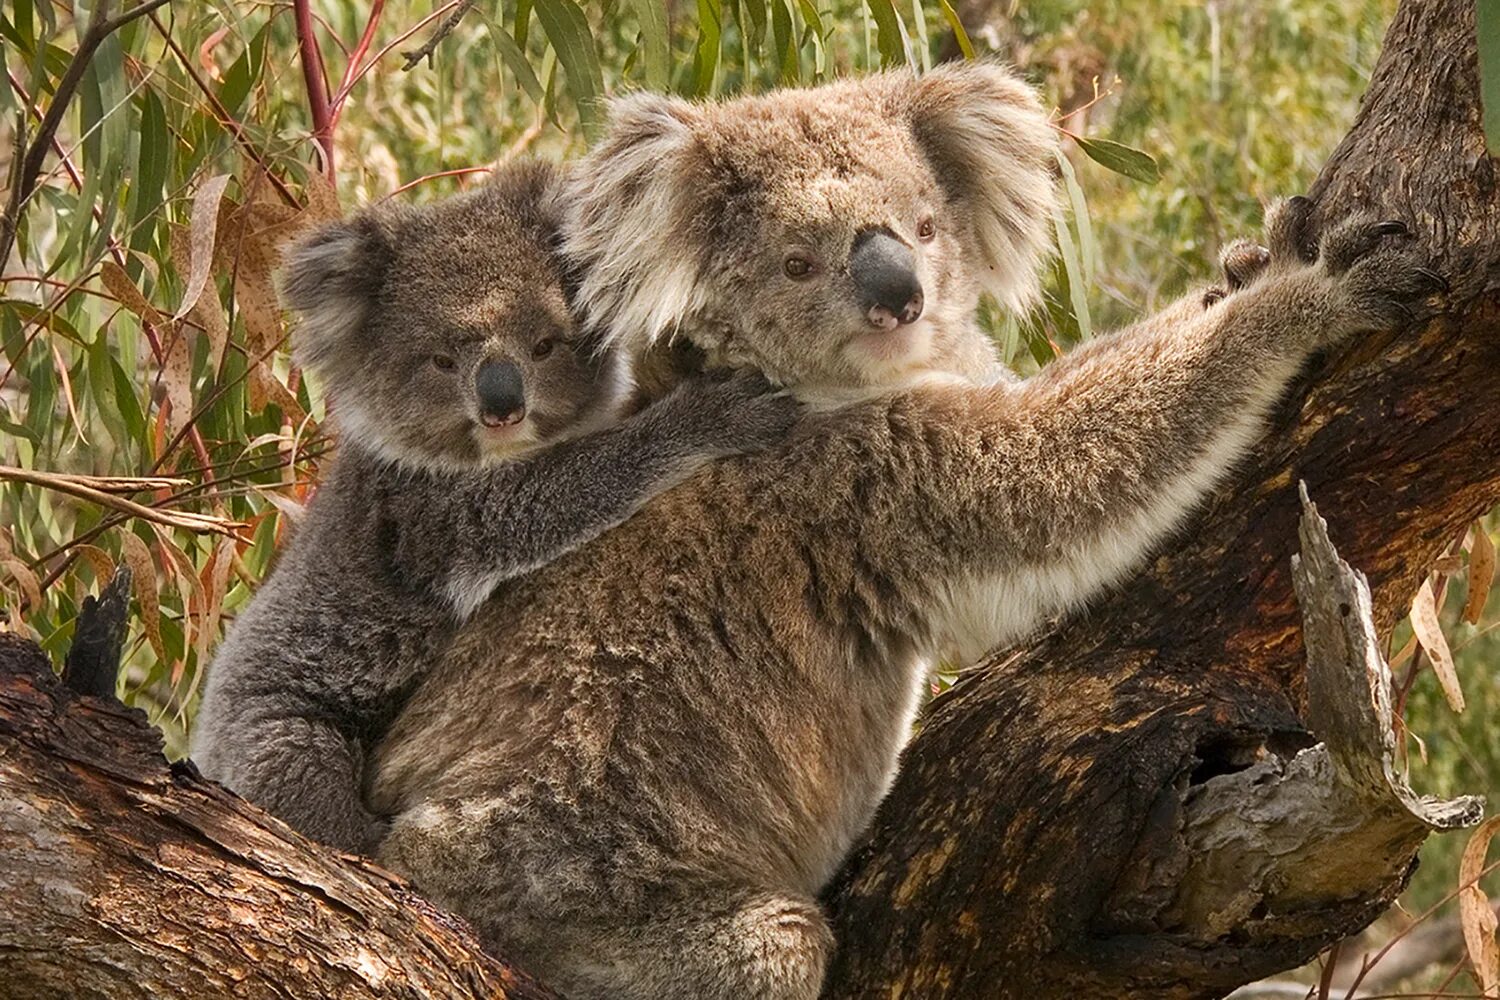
[1336, 821]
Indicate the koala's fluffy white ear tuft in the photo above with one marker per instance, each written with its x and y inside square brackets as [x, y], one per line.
[627, 207]
[989, 142]
[332, 277]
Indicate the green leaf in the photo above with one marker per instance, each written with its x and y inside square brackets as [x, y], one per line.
[755, 13]
[1122, 159]
[655, 42]
[150, 178]
[919, 24]
[523, 23]
[1088, 249]
[1487, 15]
[788, 67]
[959, 34]
[243, 73]
[817, 34]
[1077, 282]
[568, 30]
[895, 48]
[515, 59]
[710, 35]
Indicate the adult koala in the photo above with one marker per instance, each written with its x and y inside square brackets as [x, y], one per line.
[639, 793]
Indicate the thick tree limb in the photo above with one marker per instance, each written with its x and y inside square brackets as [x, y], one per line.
[1020, 852]
[1333, 821]
[125, 878]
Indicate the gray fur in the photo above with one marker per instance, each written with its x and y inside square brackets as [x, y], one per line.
[426, 512]
[641, 791]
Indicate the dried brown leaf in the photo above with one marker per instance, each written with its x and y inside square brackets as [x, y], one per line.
[118, 284]
[1481, 573]
[177, 378]
[262, 387]
[61, 367]
[322, 199]
[208, 312]
[255, 295]
[1475, 912]
[1429, 631]
[143, 570]
[218, 586]
[202, 235]
[99, 561]
[31, 590]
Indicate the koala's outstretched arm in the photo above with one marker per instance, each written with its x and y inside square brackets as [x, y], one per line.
[497, 524]
[1066, 482]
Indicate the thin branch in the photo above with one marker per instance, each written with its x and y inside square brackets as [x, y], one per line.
[221, 113]
[315, 79]
[443, 31]
[72, 486]
[399, 39]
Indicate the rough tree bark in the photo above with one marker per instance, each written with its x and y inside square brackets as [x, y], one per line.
[123, 877]
[1063, 822]
[1037, 836]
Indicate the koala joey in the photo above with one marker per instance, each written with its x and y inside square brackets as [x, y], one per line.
[640, 792]
[475, 447]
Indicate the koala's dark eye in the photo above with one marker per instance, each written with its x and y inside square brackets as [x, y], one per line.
[542, 348]
[443, 362]
[926, 229]
[797, 267]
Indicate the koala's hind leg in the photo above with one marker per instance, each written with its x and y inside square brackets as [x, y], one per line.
[720, 943]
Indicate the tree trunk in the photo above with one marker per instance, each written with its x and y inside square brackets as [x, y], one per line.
[1040, 833]
[1137, 804]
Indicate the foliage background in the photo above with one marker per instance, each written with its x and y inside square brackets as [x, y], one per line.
[138, 324]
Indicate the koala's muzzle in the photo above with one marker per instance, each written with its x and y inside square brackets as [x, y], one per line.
[885, 272]
[502, 399]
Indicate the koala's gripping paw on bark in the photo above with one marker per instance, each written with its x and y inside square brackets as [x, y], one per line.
[736, 413]
[1373, 275]
[1381, 275]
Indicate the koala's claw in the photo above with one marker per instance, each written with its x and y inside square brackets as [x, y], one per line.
[1384, 273]
[1356, 238]
[1287, 233]
[1242, 262]
[1439, 283]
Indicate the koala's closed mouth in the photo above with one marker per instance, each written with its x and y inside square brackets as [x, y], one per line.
[906, 345]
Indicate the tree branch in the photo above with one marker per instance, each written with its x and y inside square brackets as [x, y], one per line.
[131, 879]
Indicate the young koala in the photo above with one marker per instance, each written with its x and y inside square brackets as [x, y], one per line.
[472, 452]
[640, 792]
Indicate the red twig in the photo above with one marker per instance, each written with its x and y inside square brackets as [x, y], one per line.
[357, 57]
[455, 172]
[399, 39]
[315, 79]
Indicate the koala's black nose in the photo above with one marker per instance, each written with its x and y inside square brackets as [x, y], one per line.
[502, 399]
[885, 273]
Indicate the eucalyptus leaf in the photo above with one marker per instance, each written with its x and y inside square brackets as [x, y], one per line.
[1122, 159]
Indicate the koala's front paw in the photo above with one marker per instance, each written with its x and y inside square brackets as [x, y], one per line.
[1380, 275]
[739, 413]
[1242, 262]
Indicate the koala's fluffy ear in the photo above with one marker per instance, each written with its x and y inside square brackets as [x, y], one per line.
[332, 277]
[628, 206]
[987, 137]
